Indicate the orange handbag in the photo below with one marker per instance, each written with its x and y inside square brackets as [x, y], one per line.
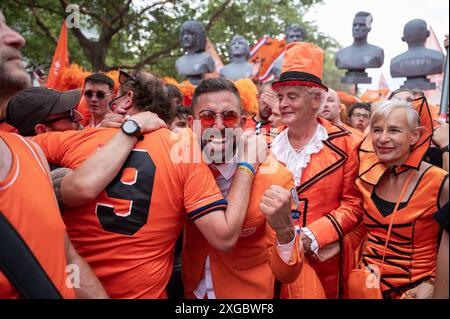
[365, 283]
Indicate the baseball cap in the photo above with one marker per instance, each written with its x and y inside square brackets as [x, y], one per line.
[31, 106]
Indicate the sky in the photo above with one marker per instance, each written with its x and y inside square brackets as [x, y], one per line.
[335, 18]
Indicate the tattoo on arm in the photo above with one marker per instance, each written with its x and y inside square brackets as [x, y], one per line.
[58, 175]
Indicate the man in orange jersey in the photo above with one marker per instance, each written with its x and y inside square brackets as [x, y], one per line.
[127, 233]
[35, 252]
[246, 271]
[323, 160]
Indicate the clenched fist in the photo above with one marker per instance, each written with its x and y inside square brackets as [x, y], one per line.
[276, 205]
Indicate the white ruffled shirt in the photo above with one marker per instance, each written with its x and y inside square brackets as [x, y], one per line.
[296, 162]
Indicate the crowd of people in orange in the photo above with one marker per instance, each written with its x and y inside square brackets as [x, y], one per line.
[227, 190]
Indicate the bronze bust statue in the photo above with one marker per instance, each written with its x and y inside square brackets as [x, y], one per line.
[294, 33]
[360, 55]
[239, 68]
[419, 61]
[195, 62]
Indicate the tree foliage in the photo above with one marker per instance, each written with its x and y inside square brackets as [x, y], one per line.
[145, 34]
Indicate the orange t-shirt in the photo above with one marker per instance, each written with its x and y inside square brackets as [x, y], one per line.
[128, 233]
[28, 203]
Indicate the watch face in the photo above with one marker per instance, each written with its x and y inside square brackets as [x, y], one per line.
[130, 127]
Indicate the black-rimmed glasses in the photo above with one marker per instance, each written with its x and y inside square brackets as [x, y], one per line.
[113, 101]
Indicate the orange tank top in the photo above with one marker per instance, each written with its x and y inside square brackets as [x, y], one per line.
[28, 203]
[412, 248]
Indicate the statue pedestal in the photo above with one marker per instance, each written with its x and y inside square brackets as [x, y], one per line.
[356, 76]
[420, 83]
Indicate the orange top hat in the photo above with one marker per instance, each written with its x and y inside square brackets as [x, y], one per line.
[302, 65]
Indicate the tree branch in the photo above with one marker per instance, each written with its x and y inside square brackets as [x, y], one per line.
[154, 5]
[217, 14]
[151, 58]
[42, 25]
[95, 16]
[120, 12]
[34, 5]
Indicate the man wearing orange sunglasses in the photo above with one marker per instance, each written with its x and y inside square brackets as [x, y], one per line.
[249, 269]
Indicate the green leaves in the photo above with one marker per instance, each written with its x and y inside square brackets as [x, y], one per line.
[144, 34]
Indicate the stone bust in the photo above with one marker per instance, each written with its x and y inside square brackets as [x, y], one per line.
[418, 61]
[360, 55]
[195, 62]
[294, 33]
[239, 68]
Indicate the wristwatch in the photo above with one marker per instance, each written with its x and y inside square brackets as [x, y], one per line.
[131, 128]
[444, 149]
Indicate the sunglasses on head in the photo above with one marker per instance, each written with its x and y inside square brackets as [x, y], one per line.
[71, 115]
[99, 94]
[208, 118]
[125, 77]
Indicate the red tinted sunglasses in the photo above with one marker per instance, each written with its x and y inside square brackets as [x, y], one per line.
[208, 118]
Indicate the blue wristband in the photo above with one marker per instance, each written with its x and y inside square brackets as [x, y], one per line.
[248, 166]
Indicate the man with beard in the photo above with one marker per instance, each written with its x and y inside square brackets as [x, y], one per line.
[35, 250]
[250, 268]
[148, 199]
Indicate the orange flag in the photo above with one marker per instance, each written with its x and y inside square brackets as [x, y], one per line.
[217, 60]
[60, 60]
[382, 83]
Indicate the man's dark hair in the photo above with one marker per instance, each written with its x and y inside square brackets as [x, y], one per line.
[174, 92]
[359, 105]
[181, 112]
[149, 94]
[213, 85]
[100, 78]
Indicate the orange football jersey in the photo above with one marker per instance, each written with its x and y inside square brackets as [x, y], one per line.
[128, 233]
[29, 205]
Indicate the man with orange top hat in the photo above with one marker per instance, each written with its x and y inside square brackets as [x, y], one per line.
[323, 160]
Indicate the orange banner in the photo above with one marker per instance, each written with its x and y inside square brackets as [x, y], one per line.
[60, 60]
